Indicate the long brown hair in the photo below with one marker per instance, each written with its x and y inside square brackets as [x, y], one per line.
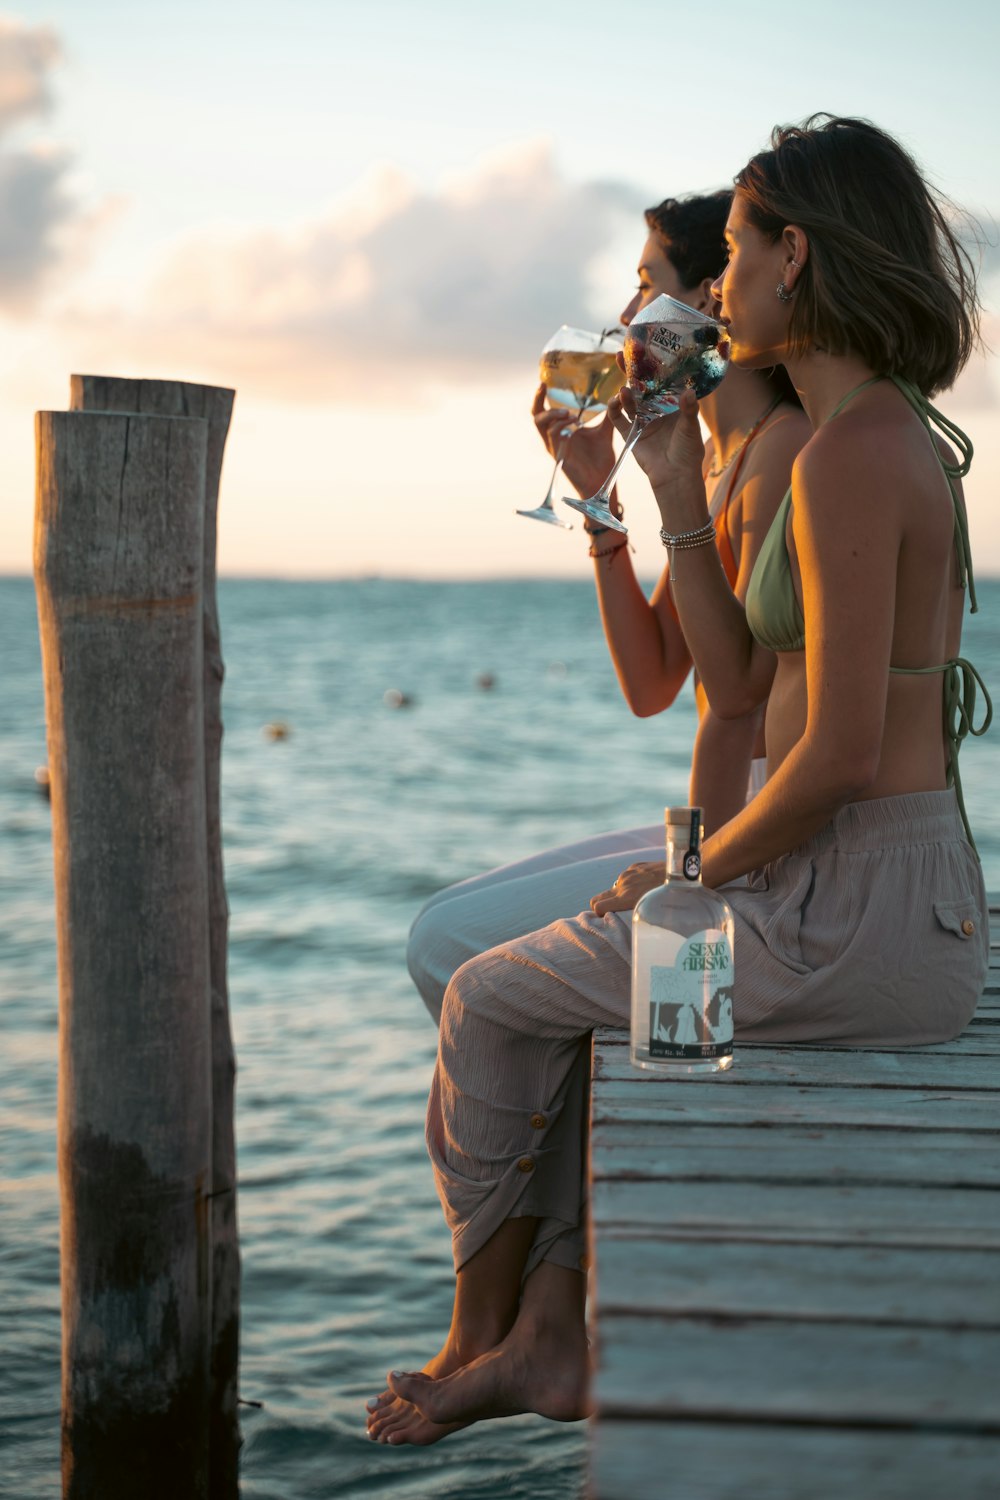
[887, 277]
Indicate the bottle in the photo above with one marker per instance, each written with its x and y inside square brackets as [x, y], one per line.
[682, 964]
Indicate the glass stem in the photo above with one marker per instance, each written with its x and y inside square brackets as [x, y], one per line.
[560, 455]
[634, 433]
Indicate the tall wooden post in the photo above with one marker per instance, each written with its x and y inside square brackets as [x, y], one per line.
[118, 568]
[215, 404]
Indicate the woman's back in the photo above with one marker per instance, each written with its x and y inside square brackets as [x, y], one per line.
[871, 501]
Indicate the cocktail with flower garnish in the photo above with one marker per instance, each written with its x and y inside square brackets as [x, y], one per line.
[669, 348]
[580, 372]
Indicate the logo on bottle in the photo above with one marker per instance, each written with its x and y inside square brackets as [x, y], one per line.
[691, 1003]
[692, 865]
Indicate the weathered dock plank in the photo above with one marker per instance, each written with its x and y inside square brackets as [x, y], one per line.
[827, 1067]
[727, 1153]
[881, 1214]
[740, 1461]
[799, 1371]
[796, 1292]
[649, 1274]
[774, 1105]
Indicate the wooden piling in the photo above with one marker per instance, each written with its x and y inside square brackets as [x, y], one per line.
[118, 569]
[215, 405]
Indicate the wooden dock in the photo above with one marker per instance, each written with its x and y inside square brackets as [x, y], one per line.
[797, 1279]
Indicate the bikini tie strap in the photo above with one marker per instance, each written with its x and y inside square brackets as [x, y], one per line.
[960, 681]
[931, 418]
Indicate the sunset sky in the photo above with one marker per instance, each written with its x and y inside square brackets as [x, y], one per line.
[368, 217]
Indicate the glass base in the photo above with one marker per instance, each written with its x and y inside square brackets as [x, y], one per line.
[596, 510]
[545, 513]
[680, 1067]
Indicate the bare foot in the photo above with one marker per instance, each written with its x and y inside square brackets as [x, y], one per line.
[394, 1420]
[391, 1419]
[534, 1370]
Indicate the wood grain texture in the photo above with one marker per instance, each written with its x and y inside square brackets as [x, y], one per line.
[795, 1272]
[845, 1157]
[118, 569]
[773, 1104]
[856, 1374]
[214, 404]
[649, 1274]
[739, 1461]
[882, 1213]
[823, 1068]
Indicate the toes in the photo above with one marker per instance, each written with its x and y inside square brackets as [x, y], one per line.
[395, 1430]
[382, 1399]
[386, 1413]
[411, 1388]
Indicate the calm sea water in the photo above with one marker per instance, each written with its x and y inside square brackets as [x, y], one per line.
[334, 837]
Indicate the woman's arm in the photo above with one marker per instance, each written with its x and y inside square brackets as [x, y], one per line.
[720, 766]
[647, 647]
[735, 670]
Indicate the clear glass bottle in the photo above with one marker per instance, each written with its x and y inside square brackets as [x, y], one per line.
[682, 964]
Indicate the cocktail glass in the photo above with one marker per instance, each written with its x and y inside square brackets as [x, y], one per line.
[669, 348]
[581, 373]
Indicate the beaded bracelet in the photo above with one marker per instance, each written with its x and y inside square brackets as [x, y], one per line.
[683, 540]
[607, 551]
[696, 538]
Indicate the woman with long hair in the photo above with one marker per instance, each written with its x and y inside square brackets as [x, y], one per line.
[858, 897]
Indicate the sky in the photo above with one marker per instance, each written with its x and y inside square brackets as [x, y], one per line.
[368, 217]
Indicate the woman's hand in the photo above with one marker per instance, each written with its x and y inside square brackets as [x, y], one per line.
[628, 888]
[671, 452]
[589, 452]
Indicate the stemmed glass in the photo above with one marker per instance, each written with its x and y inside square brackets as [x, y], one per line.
[669, 348]
[580, 372]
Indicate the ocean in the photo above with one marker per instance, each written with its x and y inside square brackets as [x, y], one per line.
[433, 730]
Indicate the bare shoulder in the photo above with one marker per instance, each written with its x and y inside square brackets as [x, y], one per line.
[774, 450]
[856, 471]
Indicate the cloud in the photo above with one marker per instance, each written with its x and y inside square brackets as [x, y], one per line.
[27, 53]
[394, 288]
[35, 205]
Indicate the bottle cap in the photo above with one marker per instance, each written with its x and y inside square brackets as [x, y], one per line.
[682, 814]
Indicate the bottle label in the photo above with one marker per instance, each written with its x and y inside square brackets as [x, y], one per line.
[691, 1001]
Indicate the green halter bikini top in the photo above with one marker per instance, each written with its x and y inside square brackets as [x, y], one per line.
[775, 618]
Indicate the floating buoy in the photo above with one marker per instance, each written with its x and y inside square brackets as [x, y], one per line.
[393, 698]
[43, 782]
[279, 730]
[486, 680]
[558, 669]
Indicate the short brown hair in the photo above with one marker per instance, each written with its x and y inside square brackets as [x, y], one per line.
[887, 277]
[693, 232]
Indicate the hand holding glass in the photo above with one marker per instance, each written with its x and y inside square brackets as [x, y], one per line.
[580, 372]
[669, 348]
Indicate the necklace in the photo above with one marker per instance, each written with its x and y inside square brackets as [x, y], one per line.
[714, 473]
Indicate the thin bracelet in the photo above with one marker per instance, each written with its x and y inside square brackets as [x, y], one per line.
[684, 540]
[597, 530]
[608, 551]
[696, 538]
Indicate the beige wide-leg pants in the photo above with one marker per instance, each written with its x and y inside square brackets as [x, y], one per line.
[874, 933]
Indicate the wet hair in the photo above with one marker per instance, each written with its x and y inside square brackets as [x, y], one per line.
[692, 232]
[887, 277]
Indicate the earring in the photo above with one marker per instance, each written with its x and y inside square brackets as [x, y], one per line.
[784, 295]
